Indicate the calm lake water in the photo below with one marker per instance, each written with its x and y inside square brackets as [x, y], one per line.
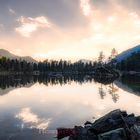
[32, 108]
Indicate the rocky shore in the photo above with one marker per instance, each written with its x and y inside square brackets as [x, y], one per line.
[116, 125]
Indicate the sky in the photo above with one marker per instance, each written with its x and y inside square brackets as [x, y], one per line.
[68, 29]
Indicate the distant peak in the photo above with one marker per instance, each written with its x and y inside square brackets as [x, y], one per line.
[127, 53]
[4, 50]
[9, 55]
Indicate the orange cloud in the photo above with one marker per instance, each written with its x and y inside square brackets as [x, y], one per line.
[85, 6]
[29, 25]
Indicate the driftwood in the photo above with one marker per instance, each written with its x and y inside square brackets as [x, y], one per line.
[116, 125]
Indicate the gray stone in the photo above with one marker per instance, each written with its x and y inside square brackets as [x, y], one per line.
[118, 134]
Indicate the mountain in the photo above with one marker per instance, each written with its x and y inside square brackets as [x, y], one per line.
[127, 53]
[129, 87]
[9, 55]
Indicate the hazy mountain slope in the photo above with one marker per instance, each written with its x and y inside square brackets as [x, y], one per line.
[128, 88]
[12, 56]
[127, 53]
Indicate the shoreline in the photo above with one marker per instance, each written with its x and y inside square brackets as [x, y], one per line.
[116, 125]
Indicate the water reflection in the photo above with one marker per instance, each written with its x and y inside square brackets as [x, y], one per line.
[20, 80]
[102, 92]
[107, 85]
[130, 84]
[111, 89]
[17, 81]
[36, 105]
[31, 120]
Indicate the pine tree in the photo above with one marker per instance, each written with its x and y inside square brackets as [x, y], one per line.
[101, 58]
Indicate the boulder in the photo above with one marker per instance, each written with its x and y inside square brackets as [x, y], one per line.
[117, 134]
[116, 125]
[112, 120]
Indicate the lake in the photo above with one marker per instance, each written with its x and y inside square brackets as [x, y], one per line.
[32, 108]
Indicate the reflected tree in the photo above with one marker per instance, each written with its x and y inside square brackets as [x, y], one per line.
[26, 81]
[112, 91]
[102, 92]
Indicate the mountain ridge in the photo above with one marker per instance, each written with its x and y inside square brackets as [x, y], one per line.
[125, 54]
[10, 55]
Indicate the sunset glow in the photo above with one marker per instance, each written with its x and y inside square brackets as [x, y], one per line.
[76, 29]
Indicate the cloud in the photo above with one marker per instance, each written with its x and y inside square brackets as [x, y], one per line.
[1, 26]
[85, 6]
[31, 120]
[28, 25]
[94, 25]
[11, 11]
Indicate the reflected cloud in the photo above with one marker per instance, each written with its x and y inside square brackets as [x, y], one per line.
[69, 105]
[32, 120]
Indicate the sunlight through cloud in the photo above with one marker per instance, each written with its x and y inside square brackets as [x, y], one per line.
[85, 6]
[29, 25]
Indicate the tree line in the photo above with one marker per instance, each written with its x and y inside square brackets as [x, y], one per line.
[22, 66]
[14, 65]
[131, 63]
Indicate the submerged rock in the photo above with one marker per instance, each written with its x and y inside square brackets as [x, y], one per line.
[116, 125]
